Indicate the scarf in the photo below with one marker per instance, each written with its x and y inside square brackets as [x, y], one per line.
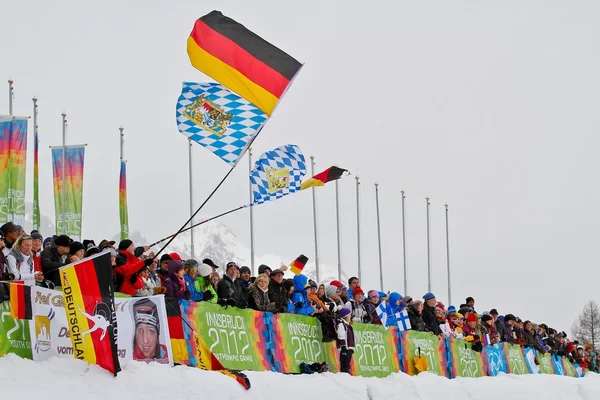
[20, 257]
[182, 285]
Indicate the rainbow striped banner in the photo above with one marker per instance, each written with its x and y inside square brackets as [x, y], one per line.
[123, 202]
[74, 157]
[36, 185]
[13, 157]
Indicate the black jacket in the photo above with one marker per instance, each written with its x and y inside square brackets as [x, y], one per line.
[416, 321]
[229, 289]
[431, 321]
[278, 296]
[51, 262]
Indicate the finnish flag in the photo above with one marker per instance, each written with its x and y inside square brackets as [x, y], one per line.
[403, 320]
[382, 313]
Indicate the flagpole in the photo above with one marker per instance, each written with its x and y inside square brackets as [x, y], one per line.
[337, 220]
[36, 205]
[358, 225]
[404, 244]
[11, 95]
[251, 214]
[191, 196]
[428, 249]
[448, 257]
[314, 201]
[379, 236]
[64, 156]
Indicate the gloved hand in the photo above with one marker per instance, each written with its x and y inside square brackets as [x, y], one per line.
[231, 302]
[222, 302]
[208, 295]
[243, 305]
[160, 290]
[148, 262]
[299, 304]
[133, 278]
[187, 295]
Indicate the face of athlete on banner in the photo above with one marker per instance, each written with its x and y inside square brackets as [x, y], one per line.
[146, 339]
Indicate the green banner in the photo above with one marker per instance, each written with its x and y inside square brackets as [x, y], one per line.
[375, 352]
[71, 190]
[546, 366]
[14, 334]
[516, 359]
[569, 368]
[298, 339]
[233, 335]
[465, 362]
[427, 345]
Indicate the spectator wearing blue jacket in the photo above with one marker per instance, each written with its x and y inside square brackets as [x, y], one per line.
[394, 306]
[300, 300]
[191, 272]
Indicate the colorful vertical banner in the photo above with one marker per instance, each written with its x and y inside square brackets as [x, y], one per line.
[36, 185]
[426, 345]
[90, 306]
[465, 362]
[123, 201]
[73, 186]
[13, 156]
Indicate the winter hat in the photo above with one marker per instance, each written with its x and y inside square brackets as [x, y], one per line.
[451, 309]
[75, 247]
[191, 263]
[175, 266]
[124, 245]
[428, 296]
[209, 262]
[407, 299]
[91, 251]
[232, 264]
[313, 284]
[276, 272]
[441, 306]
[145, 312]
[174, 256]
[46, 241]
[245, 269]
[106, 243]
[509, 317]
[337, 284]
[344, 312]
[62, 240]
[330, 290]
[358, 290]
[36, 235]
[262, 268]
[458, 315]
[486, 318]
[373, 293]
[344, 287]
[472, 318]
[204, 270]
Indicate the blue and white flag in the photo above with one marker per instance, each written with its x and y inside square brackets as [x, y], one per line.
[382, 313]
[277, 173]
[403, 320]
[221, 121]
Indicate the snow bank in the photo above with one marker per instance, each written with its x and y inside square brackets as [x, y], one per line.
[71, 379]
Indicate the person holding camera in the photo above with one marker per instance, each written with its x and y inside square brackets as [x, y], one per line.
[355, 304]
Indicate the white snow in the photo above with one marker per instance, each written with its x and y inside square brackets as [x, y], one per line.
[72, 379]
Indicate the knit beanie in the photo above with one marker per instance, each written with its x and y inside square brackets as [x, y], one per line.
[373, 293]
[204, 270]
[344, 312]
[330, 290]
[75, 247]
[124, 245]
[472, 318]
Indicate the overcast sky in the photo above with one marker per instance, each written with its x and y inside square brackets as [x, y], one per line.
[489, 106]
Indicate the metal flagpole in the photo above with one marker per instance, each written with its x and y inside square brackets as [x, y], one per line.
[36, 205]
[314, 201]
[428, 250]
[191, 196]
[11, 95]
[379, 236]
[358, 225]
[337, 219]
[404, 244]
[251, 214]
[64, 156]
[448, 257]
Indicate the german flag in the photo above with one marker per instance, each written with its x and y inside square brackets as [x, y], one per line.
[320, 179]
[298, 265]
[20, 301]
[241, 60]
[175, 321]
[90, 306]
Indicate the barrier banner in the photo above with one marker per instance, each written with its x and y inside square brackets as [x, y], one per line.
[14, 334]
[530, 355]
[234, 336]
[143, 330]
[375, 352]
[495, 360]
[559, 368]
[431, 347]
[332, 356]
[568, 367]
[49, 328]
[515, 358]
[296, 339]
[546, 366]
[465, 361]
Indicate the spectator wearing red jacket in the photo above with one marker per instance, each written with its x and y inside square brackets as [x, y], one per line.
[128, 267]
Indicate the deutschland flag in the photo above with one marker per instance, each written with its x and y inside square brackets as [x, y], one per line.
[320, 179]
[298, 265]
[20, 301]
[241, 60]
[90, 307]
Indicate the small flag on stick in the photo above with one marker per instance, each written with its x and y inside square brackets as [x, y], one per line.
[298, 265]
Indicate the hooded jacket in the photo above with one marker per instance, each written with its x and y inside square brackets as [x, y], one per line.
[189, 283]
[392, 308]
[174, 288]
[202, 285]
[127, 265]
[300, 298]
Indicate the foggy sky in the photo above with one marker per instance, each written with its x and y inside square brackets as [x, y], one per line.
[491, 107]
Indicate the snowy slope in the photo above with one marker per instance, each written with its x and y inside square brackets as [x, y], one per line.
[71, 379]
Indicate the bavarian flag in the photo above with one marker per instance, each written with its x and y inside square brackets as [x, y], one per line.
[90, 306]
[298, 265]
[320, 179]
[241, 60]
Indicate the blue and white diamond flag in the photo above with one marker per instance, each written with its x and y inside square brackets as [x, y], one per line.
[221, 121]
[277, 173]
